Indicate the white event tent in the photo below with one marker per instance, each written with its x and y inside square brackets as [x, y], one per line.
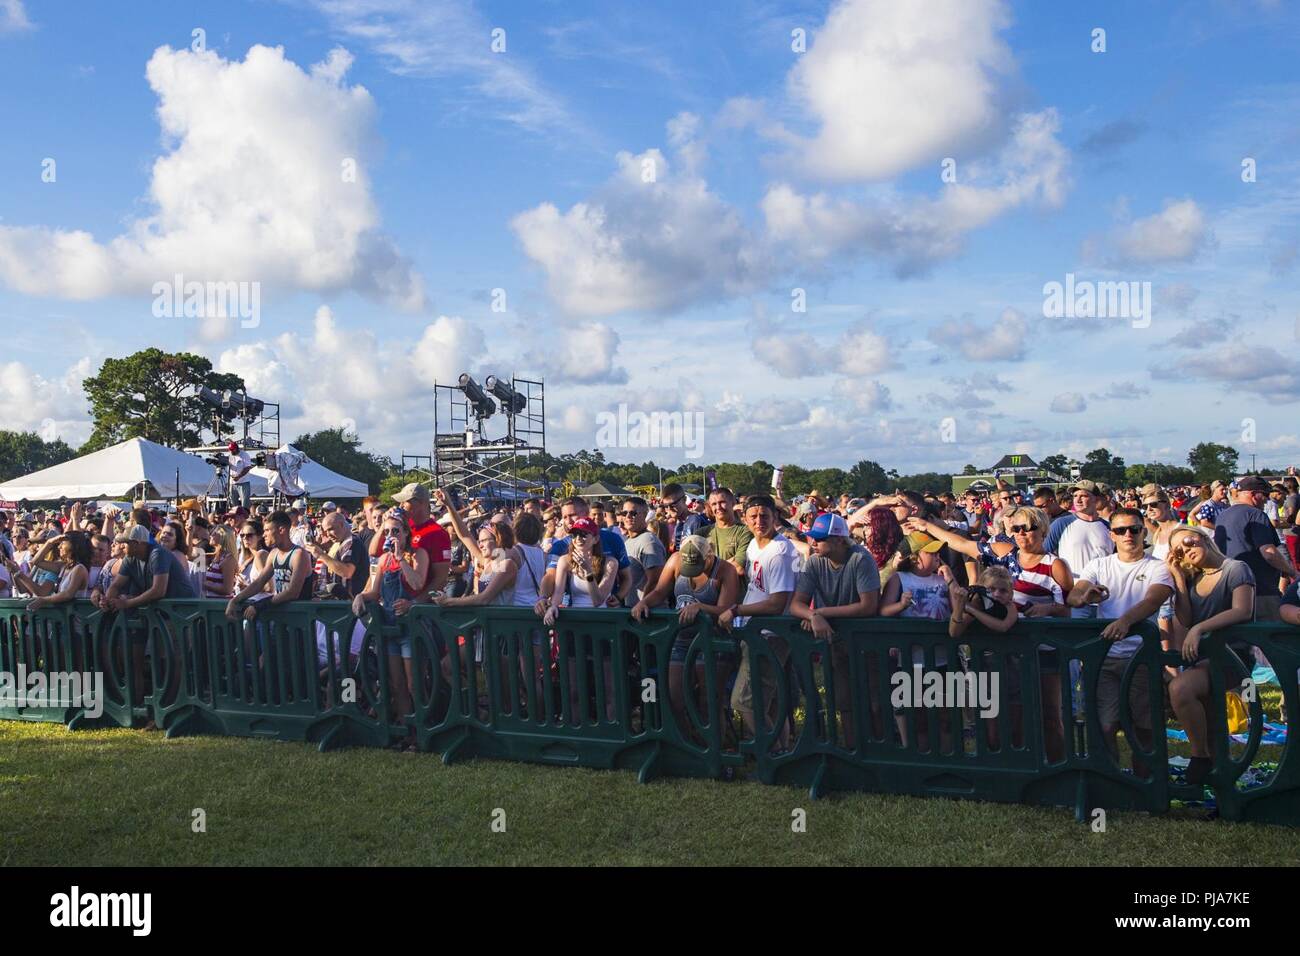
[119, 471]
[115, 472]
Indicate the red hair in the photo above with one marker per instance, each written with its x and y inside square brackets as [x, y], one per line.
[884, 534]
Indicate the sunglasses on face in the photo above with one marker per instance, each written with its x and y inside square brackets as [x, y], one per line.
[1021, 528]
[1127, 529]
[1189, 544]
[581, 535]
[250, 534]
[627, 514]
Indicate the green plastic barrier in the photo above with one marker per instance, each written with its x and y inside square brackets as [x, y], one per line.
[593, 691]
[1278, 799]
[265, 678]
[964, 754]
[601, 690]
[68, 638]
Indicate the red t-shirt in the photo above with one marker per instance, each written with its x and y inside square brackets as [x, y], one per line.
[433, 538]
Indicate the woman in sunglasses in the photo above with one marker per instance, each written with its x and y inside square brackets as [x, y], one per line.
[1042, 580]
[72, 567]
[586, 578]
[495, 567]
[250, 555]
[1211, 592]
[584, 575]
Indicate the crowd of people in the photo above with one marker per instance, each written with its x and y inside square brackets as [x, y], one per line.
[1190, 560]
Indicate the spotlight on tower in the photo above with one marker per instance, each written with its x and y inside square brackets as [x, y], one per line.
[484, 407]
[512, 403]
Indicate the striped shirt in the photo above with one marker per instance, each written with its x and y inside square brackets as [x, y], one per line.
[1034, 585]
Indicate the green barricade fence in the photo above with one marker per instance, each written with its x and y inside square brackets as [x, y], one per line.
[601, 690]
[1278, 799]
[57, 642]
[861, 729]
[288, 674]
[597, 690]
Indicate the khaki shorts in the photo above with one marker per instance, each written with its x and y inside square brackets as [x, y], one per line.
[742, 695]
[1139, 695]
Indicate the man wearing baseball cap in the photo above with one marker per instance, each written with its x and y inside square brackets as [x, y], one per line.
[148, 573]
[1244, 532]
[839, 580]
[299, 529]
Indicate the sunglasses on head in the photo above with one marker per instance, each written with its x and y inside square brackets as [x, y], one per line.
[1128, 529]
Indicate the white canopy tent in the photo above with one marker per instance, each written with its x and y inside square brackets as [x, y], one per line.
[118, 472]
[115, 472]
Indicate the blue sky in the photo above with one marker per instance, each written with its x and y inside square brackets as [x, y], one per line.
[773, 170]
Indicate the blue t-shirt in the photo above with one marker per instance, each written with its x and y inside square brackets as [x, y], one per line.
[1240, 531]
[611, 542]
[691, 524]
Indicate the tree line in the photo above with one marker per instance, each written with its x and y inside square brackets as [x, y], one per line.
[151, 394]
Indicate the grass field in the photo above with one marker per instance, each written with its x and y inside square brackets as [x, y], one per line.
[125, 797]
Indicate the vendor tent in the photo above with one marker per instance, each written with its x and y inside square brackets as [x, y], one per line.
[115, 472]
[600, 489]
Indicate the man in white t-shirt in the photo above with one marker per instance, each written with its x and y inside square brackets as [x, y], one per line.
[239, 465]
[1129, 587]
[770, 563]
[1086, 536]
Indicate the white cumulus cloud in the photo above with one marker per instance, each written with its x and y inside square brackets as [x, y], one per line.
[1069, 403]
[896, 84]
[650, 238]
[336, 374]
[1001, 341]
[254, 187]
[51, 407]
[859, 352]
[913, 233]
[1179, 232]
[583, 353]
